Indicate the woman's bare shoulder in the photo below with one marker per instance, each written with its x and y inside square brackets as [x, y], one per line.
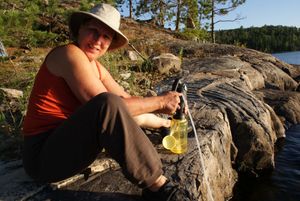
[64, 50]
[62, 57]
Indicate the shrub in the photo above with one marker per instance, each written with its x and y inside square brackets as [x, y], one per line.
[41, 39]
[193, 34]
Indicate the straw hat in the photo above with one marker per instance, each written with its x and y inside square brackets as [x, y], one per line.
[107, 15]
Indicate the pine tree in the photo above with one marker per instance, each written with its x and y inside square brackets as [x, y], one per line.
[211, 8]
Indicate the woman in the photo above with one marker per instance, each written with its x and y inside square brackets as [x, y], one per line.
[76, 109]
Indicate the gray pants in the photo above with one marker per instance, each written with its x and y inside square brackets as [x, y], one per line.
[103, 122]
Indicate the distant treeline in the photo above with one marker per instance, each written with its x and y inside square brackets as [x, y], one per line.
[267, 38]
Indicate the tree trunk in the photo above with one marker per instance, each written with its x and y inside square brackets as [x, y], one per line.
[178, 14]
[130, 9]
[213, 40]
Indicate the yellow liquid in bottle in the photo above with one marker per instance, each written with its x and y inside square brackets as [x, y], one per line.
[179, 132]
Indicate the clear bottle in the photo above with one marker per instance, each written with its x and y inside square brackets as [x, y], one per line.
[179, 125]
[179, 132]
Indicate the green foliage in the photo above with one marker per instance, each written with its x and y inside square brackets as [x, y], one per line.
[115, 62]
[41, 39]
[147, 66]
[12, 109]
[180, 55]
[10, 125]
[267, 38]
[2, 117]
[218, 7]
[193, 34]
[156, 9]
[18, 22]
[192, 12]
[88, 4]
[38, 23]
[110, 61]
[169, 12]
[12, 115]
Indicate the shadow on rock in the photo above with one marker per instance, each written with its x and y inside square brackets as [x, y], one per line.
[67, 195]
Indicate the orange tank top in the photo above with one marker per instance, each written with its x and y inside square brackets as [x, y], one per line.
[51, 102]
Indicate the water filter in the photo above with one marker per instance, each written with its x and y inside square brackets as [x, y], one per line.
[177, 141]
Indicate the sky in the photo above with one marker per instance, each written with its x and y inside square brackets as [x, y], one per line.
[258, 13]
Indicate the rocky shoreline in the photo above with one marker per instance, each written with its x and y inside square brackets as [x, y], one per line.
[241, 100]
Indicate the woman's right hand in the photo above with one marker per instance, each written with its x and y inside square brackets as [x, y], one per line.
[170, 102]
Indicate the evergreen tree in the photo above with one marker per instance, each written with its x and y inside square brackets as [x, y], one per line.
[129, 5]
[211, 8]
[267, 38]
[156, 9]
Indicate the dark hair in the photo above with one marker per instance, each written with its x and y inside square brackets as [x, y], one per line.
[74, 35]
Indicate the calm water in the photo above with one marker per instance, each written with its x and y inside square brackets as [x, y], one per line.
[286, 176]
[289, 57]
[283, 184]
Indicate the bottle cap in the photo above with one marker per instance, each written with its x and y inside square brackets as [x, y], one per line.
[169, 142]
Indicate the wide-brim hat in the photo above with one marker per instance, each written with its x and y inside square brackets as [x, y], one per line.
[106, 14]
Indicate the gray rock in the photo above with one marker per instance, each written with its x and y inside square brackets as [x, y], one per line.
[166, 63]
[229, 83]
[235, 130]
[274, 76]
[132, 55]
[286, 104]
[12, 93]
[125, 76]
[227, 66]
[15, 184]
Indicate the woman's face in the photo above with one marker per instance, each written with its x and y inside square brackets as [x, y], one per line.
[94, 38]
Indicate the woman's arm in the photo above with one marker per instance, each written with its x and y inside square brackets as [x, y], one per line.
[167, 103]
[70, 63]
[110, 84]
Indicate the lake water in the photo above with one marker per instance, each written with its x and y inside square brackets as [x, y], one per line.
[282, 184]
[289, 57]
[286, 176]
